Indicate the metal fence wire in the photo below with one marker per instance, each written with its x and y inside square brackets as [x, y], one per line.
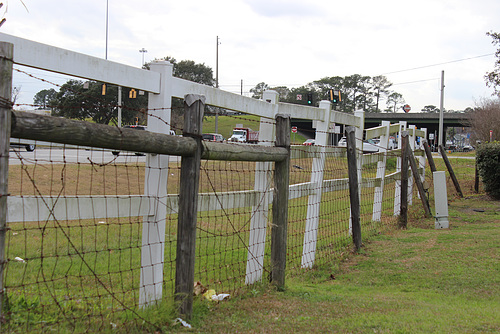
[79, 217]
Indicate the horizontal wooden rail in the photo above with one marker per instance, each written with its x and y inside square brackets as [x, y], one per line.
[65, 131]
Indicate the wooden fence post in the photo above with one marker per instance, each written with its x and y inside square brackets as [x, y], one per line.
[194, 106]
[420, 186]
[450, 170]
[353, 187]
[403, 215]
[6, 52]
[280, 204]
[428, 153]
[476, 179]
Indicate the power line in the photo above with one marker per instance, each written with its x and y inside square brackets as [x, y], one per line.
[447, 62]
[410, 82]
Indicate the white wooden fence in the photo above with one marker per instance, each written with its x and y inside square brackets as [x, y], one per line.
[155, 203]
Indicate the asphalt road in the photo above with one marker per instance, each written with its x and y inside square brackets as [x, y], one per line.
[57, 156]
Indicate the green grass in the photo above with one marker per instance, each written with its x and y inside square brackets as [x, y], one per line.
[226, 124]
[419, 280]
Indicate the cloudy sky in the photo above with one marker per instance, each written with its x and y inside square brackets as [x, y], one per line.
[280, 42]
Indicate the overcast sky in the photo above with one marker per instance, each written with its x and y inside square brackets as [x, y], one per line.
[280, 42]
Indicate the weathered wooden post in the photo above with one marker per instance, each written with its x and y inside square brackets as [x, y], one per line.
[353, 187]
[6, 53]
[420, 186]
[428, 153]
[403, 215]
[280, 204]
[194, 105]
[450, 170]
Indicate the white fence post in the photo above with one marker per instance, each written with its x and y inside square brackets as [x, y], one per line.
[314, 200]
[381, 166]
[397, 191]
[260, 213]
[155, 188]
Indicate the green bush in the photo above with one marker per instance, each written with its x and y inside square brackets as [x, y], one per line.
[488, 163]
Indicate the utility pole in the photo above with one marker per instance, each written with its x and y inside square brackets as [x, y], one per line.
[441, 110]
[143, 51]
[217, 83]
[107, 7]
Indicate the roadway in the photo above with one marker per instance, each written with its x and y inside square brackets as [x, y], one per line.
[59, 156]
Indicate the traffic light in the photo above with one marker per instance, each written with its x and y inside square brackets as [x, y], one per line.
[132, 94]
[334, 96]
[309, 98]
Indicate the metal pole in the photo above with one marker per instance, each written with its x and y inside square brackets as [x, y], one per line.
[107, 6]
[441, 110]
[217, 84]
[119, 106]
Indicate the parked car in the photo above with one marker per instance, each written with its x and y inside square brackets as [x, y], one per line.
[27, 147]
[370, 146]
[309, 142]
[213, 137]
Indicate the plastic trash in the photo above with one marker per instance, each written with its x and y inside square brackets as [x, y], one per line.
[220, 297]
[208, 294]
[185, 324]
[17, 258]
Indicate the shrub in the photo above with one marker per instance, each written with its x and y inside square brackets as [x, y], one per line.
[488, 163]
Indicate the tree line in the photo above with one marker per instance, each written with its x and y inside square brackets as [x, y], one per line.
[357, 92]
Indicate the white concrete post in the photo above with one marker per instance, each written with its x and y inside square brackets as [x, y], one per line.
[258, 223]
[440, 200]
[155, 187]
[397, 191]
[314, 200]
[381, 165]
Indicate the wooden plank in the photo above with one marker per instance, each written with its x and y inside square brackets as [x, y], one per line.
[450, 170]
[85, 134]
[428, 153]
[420, 186]
[54, 59]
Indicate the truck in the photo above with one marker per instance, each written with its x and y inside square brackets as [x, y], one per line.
[244, 135]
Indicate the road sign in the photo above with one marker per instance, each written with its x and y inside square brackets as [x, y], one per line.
[406, 108]
[294, 129]
[299, 97]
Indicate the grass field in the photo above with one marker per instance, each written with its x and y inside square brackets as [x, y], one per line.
[79, 272]
[419, 280]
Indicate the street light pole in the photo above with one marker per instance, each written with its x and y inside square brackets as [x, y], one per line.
[441, 110]
[143, 51]
[107, 8]
[217, 84]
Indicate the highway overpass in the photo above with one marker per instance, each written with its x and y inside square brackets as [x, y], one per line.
[421, 120]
